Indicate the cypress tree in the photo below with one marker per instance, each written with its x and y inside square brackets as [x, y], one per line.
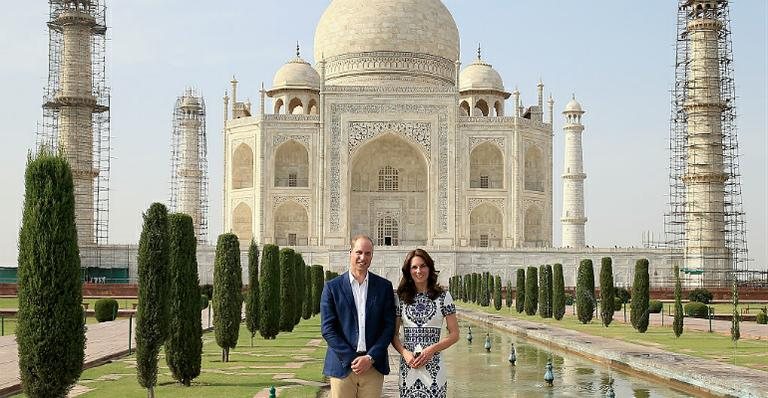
[640, 296]
[317, 287]
[287, 286]
[735, 318]
[269, 288]
[298, 286]
[467, 288]
[51, 329]
[558, 292]
[228, 300]
[491, 288]
[508, 296]
[531, 291]
[607, 295]
[497, 293]
[306, 312]
[585, 291]
[151, 321]
[520, 291]
[184, 346]
[252, 299]
[677, 324]
[545, 291]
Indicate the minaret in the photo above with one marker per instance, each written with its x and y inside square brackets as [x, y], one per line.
[573, 218]
[188, 162]
[76, 108]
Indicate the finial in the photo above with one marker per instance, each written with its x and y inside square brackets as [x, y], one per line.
[479, 52]
[550, 98]
[541, 82]
[234, 80]
[573, 96]
[298, 50]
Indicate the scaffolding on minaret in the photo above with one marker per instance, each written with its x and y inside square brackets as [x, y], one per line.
[76, 117]
[705, 219]
[189, 164]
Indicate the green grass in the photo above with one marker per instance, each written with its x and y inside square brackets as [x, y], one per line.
[749, 353]
[123, 303]
[250, 369]
[9, 324]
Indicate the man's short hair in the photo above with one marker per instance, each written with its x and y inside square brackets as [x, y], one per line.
[358, 237]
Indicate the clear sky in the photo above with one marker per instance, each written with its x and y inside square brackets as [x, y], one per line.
[616, 56]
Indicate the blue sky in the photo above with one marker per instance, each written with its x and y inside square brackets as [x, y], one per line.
[616, 56]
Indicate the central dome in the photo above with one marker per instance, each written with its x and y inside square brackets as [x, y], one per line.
[372, 33]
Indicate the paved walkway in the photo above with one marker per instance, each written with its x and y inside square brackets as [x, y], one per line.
[711, 376]
[104, 341]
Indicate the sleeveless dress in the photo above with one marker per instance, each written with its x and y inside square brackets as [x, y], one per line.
[422, 323]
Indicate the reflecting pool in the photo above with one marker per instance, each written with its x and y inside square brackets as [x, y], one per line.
[474, 372]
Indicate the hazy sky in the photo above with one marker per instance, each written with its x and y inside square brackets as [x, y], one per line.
[617, 56]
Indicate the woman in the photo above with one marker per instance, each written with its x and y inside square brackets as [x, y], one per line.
[421, 307]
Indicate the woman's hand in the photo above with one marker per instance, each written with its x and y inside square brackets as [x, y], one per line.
[408, 357]
[426, 356]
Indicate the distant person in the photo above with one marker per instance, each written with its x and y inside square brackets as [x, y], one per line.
[422, 308]
[357, 312]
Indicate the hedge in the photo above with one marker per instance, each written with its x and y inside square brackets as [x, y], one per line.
[105, 309]
[696, 310]
[655, 306]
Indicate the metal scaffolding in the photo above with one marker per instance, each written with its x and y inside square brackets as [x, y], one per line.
[76, 117]
[705, 221]
[189, 162]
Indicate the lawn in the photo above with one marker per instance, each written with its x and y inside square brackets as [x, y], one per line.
[749, 353]
[123, 303]
[287, 361]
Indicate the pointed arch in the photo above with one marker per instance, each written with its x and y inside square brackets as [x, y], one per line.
[291, 165]
[486, 226]
[534, 169]
[242, 167]
[295, 107]
[464, 108]
[291, 224]
[533, 230]
[486, 167]
[279, 106]
[312, 107]
[481, 108]
[498, 108]
[242, 222]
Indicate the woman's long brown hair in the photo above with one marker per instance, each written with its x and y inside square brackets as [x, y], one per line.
[406, 290]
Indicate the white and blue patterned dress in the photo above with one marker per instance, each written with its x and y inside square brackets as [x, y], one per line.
[422, 323]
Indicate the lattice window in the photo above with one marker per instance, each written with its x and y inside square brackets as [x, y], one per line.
[483, 181]
[483, 240]
[292, 180]
[389, 179]
[388, 234]
[292, 239]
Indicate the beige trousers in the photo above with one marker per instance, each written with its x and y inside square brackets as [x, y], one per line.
[366, 385]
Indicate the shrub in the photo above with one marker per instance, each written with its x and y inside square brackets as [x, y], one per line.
[287, 289]
[51, 327]
[696, 310]
[203, 302]
[228, 301]
[520, 291]
[531, 291]
[569, 299]
[585, 291]
[617, 304]
[105, 309]
[152, 311]
[184, 344]
[207, 290]
[558, 292]
[252, 300]
[655, 306]
[761, 318]
[269, 287]
[606, 291]
[545, 291]
[623, 294]
[700, 295]
[640, 297]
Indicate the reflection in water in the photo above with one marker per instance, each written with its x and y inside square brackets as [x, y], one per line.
[473, 372]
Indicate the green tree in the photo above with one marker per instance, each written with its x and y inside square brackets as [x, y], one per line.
[558, 292]
[269, 287]
[508, 297]
[317, 287]
[497, 293]
[531, 291]
[228, 300]
[607, 296]
[50, 334]
[545, 291]
[735, 318]
[298, 286]
[252, 299]
[677, 324]
[306, 312]
[585, 291]
[520, 291]
[639, 314]
[184, 345]
[152, 310]
[287, 289]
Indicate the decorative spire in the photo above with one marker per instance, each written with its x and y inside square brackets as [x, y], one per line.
[479, 52]
[298, 50]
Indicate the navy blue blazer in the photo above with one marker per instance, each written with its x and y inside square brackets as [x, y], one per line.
[338, 317]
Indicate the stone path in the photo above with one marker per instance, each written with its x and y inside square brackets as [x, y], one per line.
[709, 376]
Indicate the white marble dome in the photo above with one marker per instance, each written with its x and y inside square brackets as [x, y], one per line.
[480, 76]
[296, 74]
[573, 106]
[362, 26]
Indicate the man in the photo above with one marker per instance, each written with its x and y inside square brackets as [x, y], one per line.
[357, 312]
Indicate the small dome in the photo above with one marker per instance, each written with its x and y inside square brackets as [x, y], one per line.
[480, 76]
[297, 74]
[573, 106]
